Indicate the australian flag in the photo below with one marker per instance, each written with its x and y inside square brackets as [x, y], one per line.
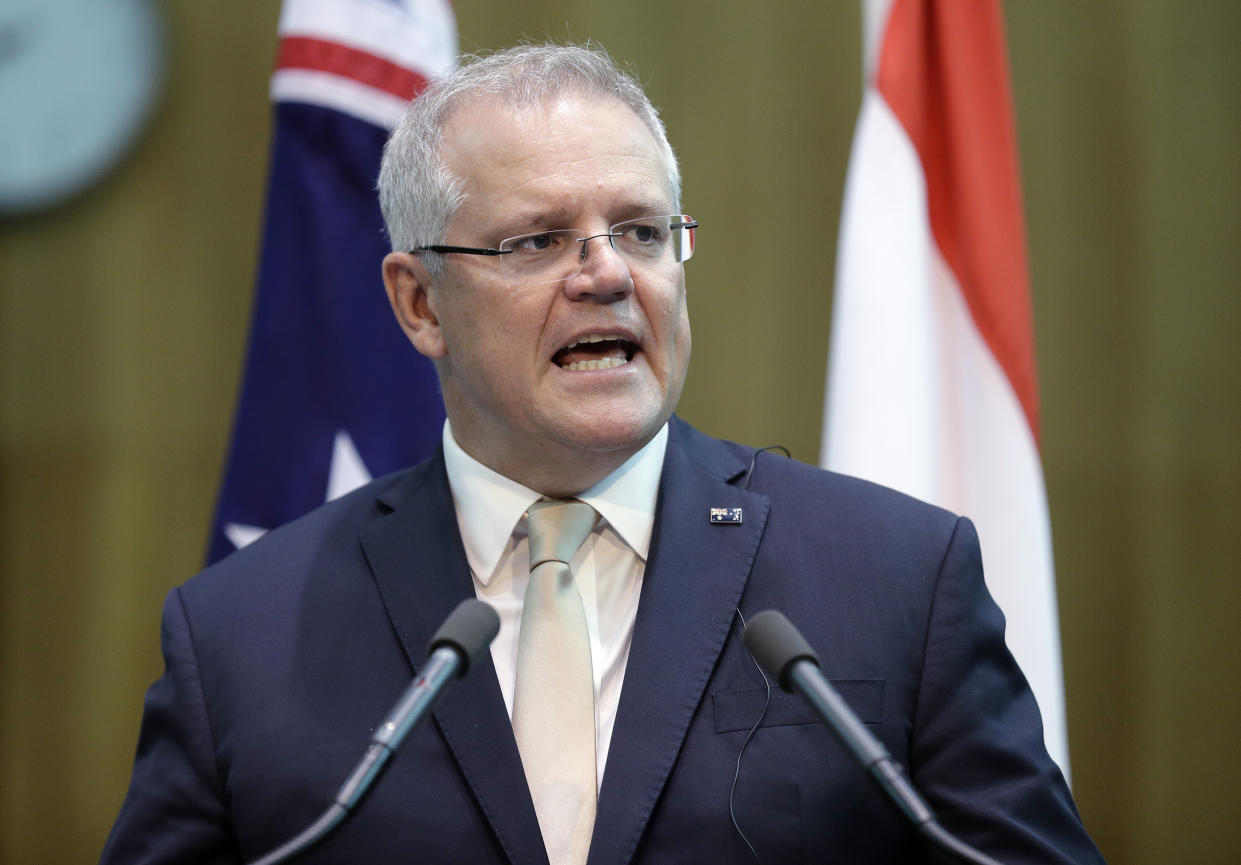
[333, 392]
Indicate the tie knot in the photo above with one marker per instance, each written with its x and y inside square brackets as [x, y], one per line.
[557, 528]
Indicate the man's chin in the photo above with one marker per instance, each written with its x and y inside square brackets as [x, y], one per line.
[613, 432]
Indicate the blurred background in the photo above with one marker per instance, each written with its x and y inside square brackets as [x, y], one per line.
[124, 314]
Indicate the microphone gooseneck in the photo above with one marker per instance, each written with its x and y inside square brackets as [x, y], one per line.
[465, 634]
[783, 653]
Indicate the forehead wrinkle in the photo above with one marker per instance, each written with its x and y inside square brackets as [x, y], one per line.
[597, 168]
[562, 199]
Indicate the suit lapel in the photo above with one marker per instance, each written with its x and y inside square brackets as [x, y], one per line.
[419, 565]
[692, 585]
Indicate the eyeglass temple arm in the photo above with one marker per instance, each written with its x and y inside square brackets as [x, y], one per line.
[468, 250]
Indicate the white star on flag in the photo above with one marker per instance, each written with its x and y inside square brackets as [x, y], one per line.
[346, 473]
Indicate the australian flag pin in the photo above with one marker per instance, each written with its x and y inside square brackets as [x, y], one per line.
[726, 516]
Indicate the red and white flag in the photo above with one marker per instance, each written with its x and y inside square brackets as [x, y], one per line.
[931, 378]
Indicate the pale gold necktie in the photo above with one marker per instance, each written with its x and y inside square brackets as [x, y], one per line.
[554, 696]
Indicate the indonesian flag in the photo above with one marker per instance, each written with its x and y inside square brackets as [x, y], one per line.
[333, 393]
[931, 377]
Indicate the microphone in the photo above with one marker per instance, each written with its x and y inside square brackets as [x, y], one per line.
[468, 630]
[783, 653]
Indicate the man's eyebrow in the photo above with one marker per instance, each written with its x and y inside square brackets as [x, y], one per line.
[534, 220]
[637, 209]
[559, 217]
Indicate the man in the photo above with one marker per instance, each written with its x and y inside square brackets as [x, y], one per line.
[533, 204]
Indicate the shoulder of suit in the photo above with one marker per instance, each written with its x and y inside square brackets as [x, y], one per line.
[330, 530]
[771, 473]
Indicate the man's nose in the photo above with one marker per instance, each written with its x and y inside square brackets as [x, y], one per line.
[605, 274]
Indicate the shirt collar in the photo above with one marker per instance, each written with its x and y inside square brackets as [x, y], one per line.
[489, 505]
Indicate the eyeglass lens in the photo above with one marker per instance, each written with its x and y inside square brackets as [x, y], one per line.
[553, 256]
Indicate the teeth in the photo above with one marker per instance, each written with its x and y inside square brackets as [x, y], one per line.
[588, 338]
[602, 363]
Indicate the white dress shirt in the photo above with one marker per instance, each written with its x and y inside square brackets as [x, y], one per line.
[608, 567]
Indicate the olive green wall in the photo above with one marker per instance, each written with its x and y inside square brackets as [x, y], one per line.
[123, 317]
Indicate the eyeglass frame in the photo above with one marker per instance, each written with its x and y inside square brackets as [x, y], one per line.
[609, 234]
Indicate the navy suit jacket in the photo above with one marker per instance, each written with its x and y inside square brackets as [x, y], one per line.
[282, 658]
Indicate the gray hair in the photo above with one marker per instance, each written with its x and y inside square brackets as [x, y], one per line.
[420, 196]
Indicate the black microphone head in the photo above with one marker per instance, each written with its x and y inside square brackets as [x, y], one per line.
[469, 629]
[776, 644]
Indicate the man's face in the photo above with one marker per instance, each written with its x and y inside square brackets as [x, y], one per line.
[515, 405]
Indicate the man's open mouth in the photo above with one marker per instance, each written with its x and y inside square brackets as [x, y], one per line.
[595, 351]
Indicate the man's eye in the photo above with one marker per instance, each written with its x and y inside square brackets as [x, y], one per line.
[643, 232]
[533, 243]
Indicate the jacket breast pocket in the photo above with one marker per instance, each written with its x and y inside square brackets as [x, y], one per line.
[742, 709]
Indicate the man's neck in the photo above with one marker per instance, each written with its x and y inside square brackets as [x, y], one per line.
[557, 472]
[555, 476]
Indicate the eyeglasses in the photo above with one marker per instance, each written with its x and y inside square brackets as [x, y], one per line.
[554, 256]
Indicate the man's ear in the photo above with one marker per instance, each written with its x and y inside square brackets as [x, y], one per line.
[407, 282]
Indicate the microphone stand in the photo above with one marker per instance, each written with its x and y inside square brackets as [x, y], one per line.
[467, 631]
[784, 654]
